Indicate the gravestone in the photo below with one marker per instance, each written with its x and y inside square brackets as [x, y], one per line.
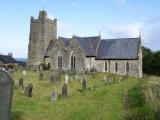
[66, 79]
[28, 90]
[158, 90]
[40, 68]
[21, 82]
[83, 84]
[24, 73]
[6, 91]
[53, 96]
[54, 77]
[64, 91]
[41, 76]
[109, 80]
[92, 88]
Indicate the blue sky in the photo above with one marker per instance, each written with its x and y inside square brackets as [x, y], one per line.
[112, 18]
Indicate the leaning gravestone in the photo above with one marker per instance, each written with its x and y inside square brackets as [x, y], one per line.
[6, 91]
[64, 91]
[28, 90]
[53, 96]
[83, 84]
[21, 82]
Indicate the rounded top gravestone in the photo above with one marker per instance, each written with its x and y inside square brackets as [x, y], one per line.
[4, 77]
[6, 90]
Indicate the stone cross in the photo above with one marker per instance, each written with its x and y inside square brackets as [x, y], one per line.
[66, 79]
[28, 90]
[64, 91]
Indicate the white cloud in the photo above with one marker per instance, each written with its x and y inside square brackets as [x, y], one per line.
[75, 3]
[121, 31]
[125, 5]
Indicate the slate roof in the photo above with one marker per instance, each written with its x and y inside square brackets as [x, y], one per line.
[7, 59]
[125, 48]
[105, 49]
[89, 44]
[65, 40]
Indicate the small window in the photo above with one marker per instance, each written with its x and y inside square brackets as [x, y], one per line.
[116, 67]
[60, 60]
[73, 61]
[106, 66]
[127, 67]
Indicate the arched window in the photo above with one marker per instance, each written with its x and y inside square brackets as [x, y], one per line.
[127, 67]
[60, 59]
[105, 66]
[73, 60]
[116, 67]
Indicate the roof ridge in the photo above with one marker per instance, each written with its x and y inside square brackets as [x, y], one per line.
[122, 38]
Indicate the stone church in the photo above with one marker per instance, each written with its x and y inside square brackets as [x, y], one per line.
[121, 56]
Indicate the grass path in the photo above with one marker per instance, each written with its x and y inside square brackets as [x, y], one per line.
[104, 103]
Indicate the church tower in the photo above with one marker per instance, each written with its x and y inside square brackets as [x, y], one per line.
[42, 30]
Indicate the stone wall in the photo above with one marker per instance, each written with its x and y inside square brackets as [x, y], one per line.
[42, 30]
[72, 48]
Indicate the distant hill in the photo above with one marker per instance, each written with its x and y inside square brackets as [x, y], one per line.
[21, 59]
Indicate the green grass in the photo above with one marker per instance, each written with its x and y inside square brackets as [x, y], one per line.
[106, 102]
[142, 100]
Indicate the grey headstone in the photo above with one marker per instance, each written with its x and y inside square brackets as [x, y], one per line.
[64, 91]
[28, 90]
[109, 80]
[41, 76]
[54, 77]
[21, 82]
[158, 90]
[83, 84]
[53, 96]
[6, 90]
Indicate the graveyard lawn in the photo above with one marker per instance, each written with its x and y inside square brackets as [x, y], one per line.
[97, 102]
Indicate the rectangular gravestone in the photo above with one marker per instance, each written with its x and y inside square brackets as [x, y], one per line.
[41, 76]
[83, 84]
[6, 91]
